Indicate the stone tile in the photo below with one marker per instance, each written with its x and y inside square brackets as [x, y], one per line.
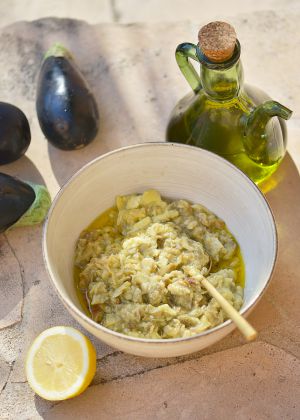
[18, 401]
[277, 315]
[11, 286]
[5, 370]
[133, 73]
[94, 12]
[252, 381]
[293, 139]
[193, 10]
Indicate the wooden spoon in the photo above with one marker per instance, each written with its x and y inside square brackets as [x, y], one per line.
[246, 329]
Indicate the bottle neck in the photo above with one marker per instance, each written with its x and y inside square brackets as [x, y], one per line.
[221, 81]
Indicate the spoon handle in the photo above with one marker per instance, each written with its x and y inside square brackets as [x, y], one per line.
[243, 325]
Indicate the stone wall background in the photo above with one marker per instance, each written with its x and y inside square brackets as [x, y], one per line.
[127, 11]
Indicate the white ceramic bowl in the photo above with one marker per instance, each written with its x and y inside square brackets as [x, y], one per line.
[177, 171]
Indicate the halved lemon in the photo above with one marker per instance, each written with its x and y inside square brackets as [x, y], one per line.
[60, 363]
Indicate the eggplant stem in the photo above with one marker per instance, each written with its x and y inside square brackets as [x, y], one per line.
[58, 50]
[38, 209]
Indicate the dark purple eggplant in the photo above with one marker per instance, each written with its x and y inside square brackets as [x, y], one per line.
[21, 203]
[66, 108]
[14, 133]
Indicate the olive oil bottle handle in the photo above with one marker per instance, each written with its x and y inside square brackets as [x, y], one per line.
[183, 53]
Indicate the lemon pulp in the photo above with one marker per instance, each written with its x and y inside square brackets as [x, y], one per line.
[61, 363]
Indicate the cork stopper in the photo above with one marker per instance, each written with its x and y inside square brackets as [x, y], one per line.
[217, 41]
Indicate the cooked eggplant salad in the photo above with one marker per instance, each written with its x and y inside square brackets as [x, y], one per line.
[14, 133]
[21, 203]
[66, 108]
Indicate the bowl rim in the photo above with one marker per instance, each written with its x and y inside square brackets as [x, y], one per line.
[80, 313]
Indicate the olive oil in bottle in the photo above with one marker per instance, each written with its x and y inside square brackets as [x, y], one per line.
[236, 121]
